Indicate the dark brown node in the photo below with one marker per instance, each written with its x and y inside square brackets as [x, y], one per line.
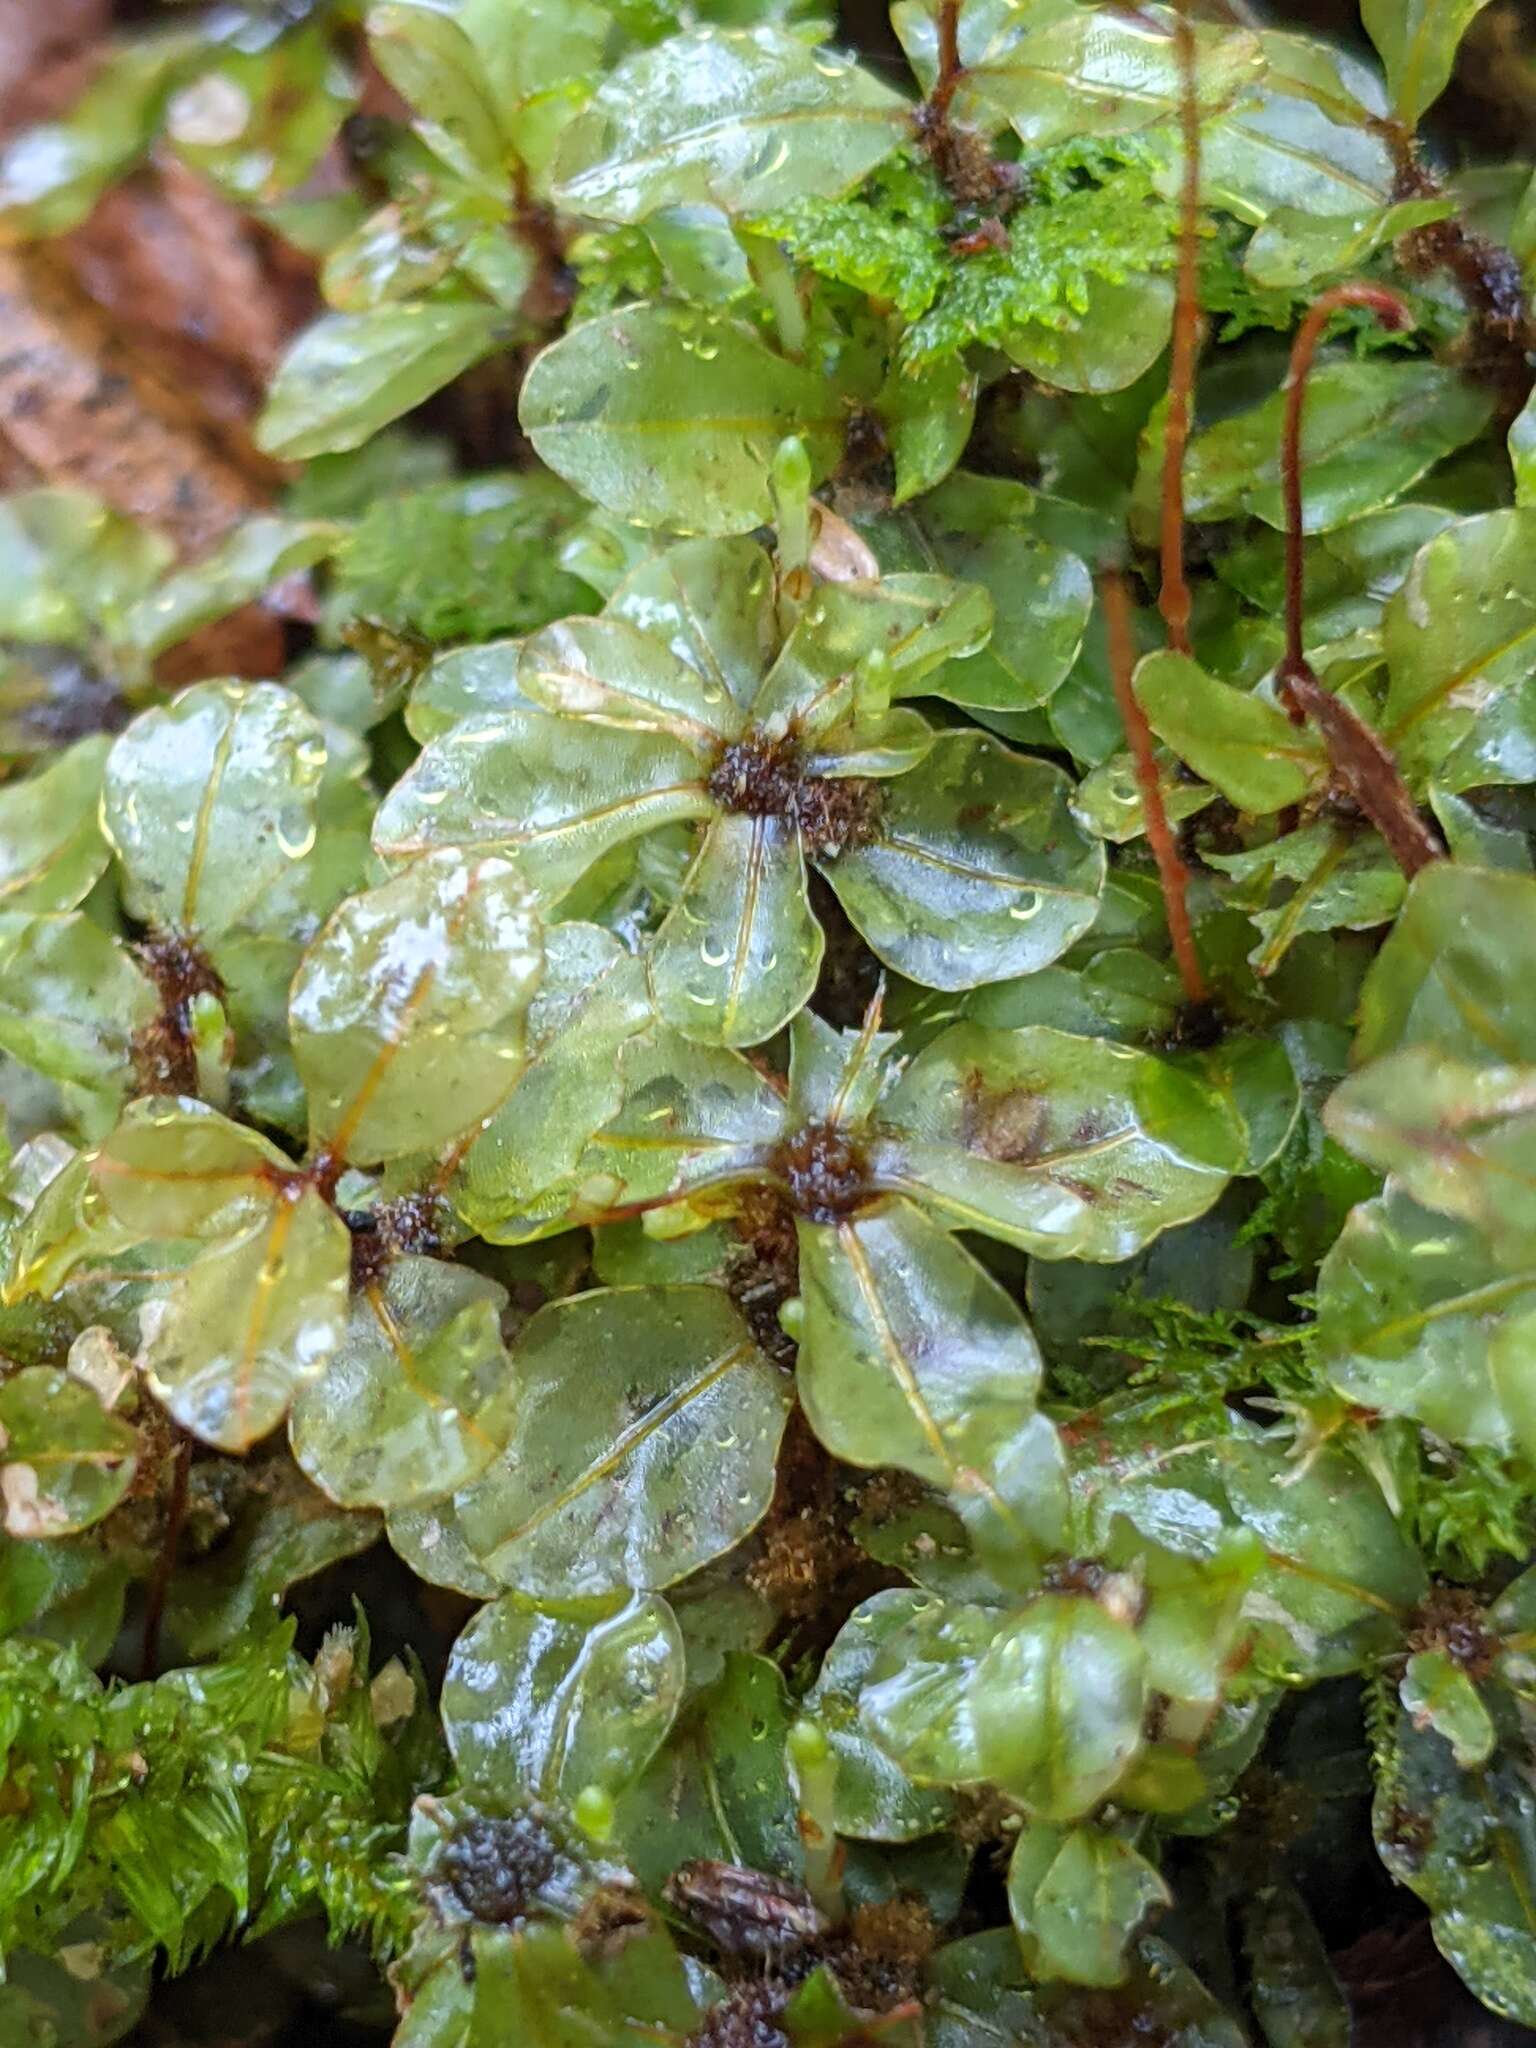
[494, 1866]
[824, 1171]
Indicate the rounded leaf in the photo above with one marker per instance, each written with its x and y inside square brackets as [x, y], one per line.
[1057, 1704]
[409, 1009]
[672, 420]
[874, 1800]
[977, 870]
[418, 1398]
[536, 1707]
[65, 1460]
[666, 1460]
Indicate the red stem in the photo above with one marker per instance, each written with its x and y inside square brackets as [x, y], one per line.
[1172, 875]
[1393, 313]
[1360, 761]
[949, 60]
[165, 1566]
[1173, 595]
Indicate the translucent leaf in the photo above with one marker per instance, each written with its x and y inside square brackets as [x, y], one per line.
[409, 1010]
[535, 1707]
[1294, 248]
[1077, 1899]
[643, 411]
[71, 567]
[976, 528]
[1056, 73]
[1456, 1137]
[259, 553]
[463, 561]
[666, 1462]
[927, 421]
[52, 174]
[1437, 1692]
[747, 120]
[1417, 40]
[1463, 1841]
[739, 951]
[874, 1800]
[419, 1395]
[1116, 337]
[71, 1003]
[1522, 453]
[65, 1460]
[1056, 1702]
[911, 1354]
[253, 1317]
[1068, 1147]
[692, 1116]
[613, 674]
[1415, 1312]
[917, 1699]
[1371, 429]
[351, 373]
[712, 603]
[518, 1173]
[536, 786]
[720, 1787]
[175, 1167]
[1338, 882]
[1460, 640]
[429, 59]
[1298, 2000]
[1454, 970]
[979, 870]
[208, 801]
[51, 847]
[1239, 741]
[1308, 139]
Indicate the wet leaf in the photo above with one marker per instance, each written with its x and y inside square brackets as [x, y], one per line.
[1056, 1702]
[535, 786]
[1370, 430]
[419, 1395]
[668, 1463]
[720, 1786]
[536, 1707]
[1077, 1899]
[1241, 742]
[918, 1697]
[874, 1799]
[1417, 40]
[747, 120]
[978, 528]
[1417, 1315]
[1463, 1841]
[352, 373]
[65, 1460]
[51, 846]
[409, 1010]
[1453, 970]
[642, 410]
[740, 950]
[1439, 1695]
[1069, 1147]
[977, 870]
[1054, 72]
[591, 1001]
[209, 801]
[1460, 640]
[912, 1354]
[253, 1317]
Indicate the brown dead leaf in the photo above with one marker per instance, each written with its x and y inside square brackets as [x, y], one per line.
[83, 408]
[47, 53]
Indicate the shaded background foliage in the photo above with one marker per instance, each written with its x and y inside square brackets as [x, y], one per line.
[891, 1247]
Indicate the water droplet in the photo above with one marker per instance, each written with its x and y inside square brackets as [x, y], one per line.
[1028, 906]
[712, 955]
